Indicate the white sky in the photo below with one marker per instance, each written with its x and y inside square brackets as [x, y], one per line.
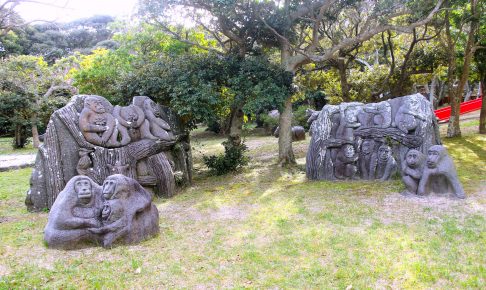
[68, 10]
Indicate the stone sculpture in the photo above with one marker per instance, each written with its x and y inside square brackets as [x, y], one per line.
[120, 211]
[380, 135]
[367, 159]
[74, 214]
[412, 169]
[91, 137]
[439, 175]
[386, 164]
[298, 133]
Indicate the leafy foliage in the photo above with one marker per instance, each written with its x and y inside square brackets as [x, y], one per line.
[232, 159]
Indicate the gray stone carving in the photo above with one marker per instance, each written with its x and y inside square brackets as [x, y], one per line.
[367, 141]
[412, 169]
[439, 175]
[90, 137]
[120, 211]
[298, 133]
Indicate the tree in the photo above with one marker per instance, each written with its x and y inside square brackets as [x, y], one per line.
[460, 17]
[35, 81]
[298, 30]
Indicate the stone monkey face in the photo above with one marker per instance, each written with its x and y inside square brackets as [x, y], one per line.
[413, 158]
[367, 147]
[83, 190]
[130, 114]
[350, 115]
[106, 211]
[155, 108]
[109, 187]
[433, 157]
[384, 152]
[95, 105]
[414, 104]
[348, 150]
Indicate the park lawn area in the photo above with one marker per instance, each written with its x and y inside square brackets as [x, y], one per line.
[6, 147]
[268, 227]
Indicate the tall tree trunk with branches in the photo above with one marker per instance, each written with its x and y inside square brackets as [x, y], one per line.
[453, 129]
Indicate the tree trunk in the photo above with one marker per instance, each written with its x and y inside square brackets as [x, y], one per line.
[342, 67]
[18, 137]
[482, 116]
[453, 128]
[35, 132]
[236, 126]
[432, 90]
[285, 151]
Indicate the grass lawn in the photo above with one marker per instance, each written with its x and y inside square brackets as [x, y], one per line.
[267, 227]
[6, 147]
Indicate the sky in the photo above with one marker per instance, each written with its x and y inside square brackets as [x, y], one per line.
[68, 10]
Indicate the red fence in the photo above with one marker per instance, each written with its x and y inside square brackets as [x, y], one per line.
[445, 113]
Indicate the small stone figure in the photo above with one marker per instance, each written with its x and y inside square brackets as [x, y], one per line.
[348, 123]
[386, 164]
[412, 170]
[345, 164]
[440, 175]
[380, 114]
[158, 127]
[128, 214]
[74, 214]
[132, 121]
[367, 158]
[97, 125]
[298, 133]
[407, 115]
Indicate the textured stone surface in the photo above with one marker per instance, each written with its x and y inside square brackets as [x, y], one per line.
[368, 141]
[91, 137]
[120, 211]
[439, 174]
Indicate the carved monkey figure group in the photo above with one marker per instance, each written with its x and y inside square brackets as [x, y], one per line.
[123, 125]
[437, 174]
[84, 212]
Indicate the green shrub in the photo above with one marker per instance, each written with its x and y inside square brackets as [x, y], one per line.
[269, 123]
[300, 117]
[232, 159]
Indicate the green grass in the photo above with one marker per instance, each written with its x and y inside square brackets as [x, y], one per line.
[268, 227]
[6, 147]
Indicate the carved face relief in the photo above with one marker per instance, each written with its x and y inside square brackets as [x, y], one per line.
[109, 187]
[350, 115]
[106, 211]
[414, 104]
[348, 150]
[433, 157]
[130, 114]
[155, 108]
[384, 153]
[413, 158]
[95, 105]
[83, 190]
[367, 147]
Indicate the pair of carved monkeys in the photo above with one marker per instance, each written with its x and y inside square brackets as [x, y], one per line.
[125, 125]
[84, 212]
[438, 175]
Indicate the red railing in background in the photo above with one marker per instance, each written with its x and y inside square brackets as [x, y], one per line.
[445, 113]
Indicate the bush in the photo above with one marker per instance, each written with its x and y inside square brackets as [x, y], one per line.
[269, 123]
[300, 117]
[232, 159]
